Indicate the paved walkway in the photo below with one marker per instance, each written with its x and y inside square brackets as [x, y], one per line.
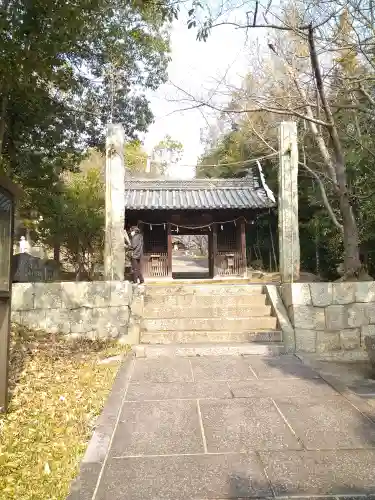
[227, 427]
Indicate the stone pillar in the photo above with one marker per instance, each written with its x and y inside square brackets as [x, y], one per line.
[289, 257]
[114, 252]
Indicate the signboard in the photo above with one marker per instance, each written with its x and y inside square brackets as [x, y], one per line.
[8, 192]
[5, 240]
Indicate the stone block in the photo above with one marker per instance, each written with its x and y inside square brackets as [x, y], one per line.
[241, 424]
[137, 306]
[22, 296]
[370, 348]
[74, 294]
[367, 331]
[121, 293]
[343, 293]
[305, 340]
[81, 320]
[324, 423]
[35, 320]
[310, 473]
[296, 294]
[327, 341]
[281, 314]
[370, 312]
[336, 317]
[357, 315]
[93, 335]
[221, 368]
[99, 294]
[133, 334]
[308, 317]
[110, 321]
[85, 294]
[187, 476]
[16, 317]
[162, 370]
[321, 294]
[157, 428]
[47, 295]
[365, 291]
[207, 389]
[58, 321]
[350, 339]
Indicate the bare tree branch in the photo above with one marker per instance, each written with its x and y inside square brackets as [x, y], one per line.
[324, 197]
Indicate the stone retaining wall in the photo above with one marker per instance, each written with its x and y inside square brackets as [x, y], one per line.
[330, 317]
[89, 309]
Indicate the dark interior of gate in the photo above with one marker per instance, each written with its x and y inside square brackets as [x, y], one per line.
[224, 210]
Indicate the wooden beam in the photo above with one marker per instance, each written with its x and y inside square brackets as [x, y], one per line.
[170, 249]
[214, 249]
[4, 352]
[243, 244]
[5, 313]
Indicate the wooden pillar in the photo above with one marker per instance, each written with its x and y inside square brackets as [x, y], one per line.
[170, 250]
[289, 248]
[4, 351]
[243, 246]
[214, 249]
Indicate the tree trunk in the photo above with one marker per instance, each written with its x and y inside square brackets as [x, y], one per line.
[352, 262]
[56, 253]
[4, 103]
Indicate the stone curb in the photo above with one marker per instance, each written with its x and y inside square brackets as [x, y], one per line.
[280, 311]
[359, 403]
[94, 459]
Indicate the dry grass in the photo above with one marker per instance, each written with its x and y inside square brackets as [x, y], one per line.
[58, 388]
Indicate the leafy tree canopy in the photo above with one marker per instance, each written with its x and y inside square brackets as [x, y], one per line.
[66, 68]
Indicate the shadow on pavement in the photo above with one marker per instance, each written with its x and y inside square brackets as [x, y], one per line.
[241, 488]
[344, 419]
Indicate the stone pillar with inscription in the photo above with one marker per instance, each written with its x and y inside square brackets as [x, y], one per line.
[114, 251]
[289, 248]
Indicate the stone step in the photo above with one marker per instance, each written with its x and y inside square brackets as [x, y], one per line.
[214, 289]
[189, 300]
[221, 349]
[154, 311]
[188, 337]
[198, 324]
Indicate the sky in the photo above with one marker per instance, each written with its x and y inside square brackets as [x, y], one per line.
[197, 68]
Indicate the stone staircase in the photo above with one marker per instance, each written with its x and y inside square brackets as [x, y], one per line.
[214, 313]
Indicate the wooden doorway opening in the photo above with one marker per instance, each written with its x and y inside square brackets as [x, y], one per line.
[190, 253]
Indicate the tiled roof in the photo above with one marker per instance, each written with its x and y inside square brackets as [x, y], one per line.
[195, 194]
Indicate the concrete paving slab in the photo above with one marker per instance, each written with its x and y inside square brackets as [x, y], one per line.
[243, 425]
[84, 485]
[158, 428]
[184, 429]
[209, 389]
[163, 370]
[348, 472]
[182, 478]
[280, 367]
[328, 424]
[298, 388]
[221, 368]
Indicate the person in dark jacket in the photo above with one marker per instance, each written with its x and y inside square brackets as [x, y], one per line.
[136, 254]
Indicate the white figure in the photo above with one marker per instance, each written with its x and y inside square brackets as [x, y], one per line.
[24, 245]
